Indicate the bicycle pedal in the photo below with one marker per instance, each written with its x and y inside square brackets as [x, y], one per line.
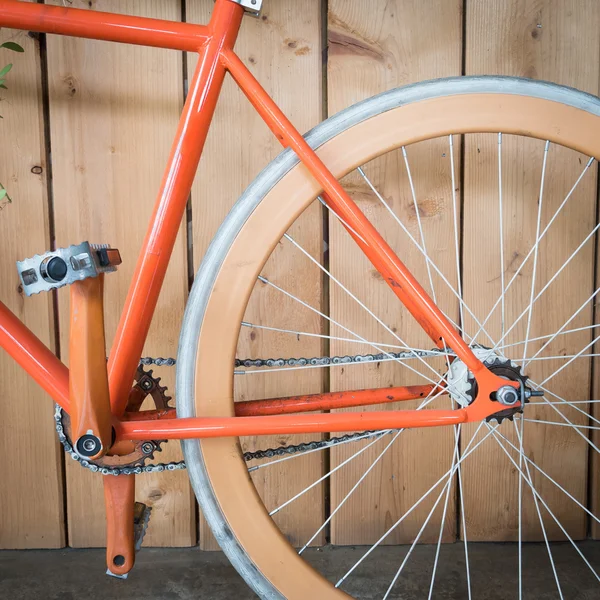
[141, 519]
[64, 266]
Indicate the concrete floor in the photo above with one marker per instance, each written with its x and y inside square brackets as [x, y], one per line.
[182, 574]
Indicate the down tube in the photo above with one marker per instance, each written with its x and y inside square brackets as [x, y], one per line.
[142, 298]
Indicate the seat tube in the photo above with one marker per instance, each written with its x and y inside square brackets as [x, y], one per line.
[158, 244]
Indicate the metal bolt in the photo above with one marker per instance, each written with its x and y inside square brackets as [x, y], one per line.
[147, 447]
[508, 395]
[89, 445]
[146, 384]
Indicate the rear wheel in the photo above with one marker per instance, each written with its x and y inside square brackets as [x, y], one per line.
[530, 314]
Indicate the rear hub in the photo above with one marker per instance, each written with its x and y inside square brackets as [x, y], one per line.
[464, 389]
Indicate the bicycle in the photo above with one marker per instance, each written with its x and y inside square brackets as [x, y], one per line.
[99, 417]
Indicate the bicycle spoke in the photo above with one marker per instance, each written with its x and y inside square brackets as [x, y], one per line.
[534, 403]
[545, 505]
[568, 403]
[427, 258]
[352, 490]
[329, 337]
[543, 290]
[457, 429]
[311, 308]
[419, 222]
[446, 489]
[464, 528]
[529, 482]
[361, 304]
[340, 219]
[520, 436]
[467, 453]
[501, 226]
[562, 424]
[535, 254]
[563, 356]
[566, 419]
[366, 436]
[561, 332]
[455, 219]
[547, 476]
[421, 406]
[552, 335]
[324, 477]
[570, 361]
[518, 271]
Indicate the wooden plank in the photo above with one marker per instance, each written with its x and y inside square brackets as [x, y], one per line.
[282, 49]
[31, 494]
[114, 111]
[371, 51]
[549, 40]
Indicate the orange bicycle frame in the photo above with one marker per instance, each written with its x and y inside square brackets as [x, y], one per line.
[215, 46]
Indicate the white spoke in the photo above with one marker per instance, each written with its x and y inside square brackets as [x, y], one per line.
[560, 331]
[427, 258]
[570, 361]
[467, 453]
[423, 404]
[455, 214]
[446, 489]
[367, 435]
[545, 505]
[567, 403]
[536, 252]
[352, 490]
[464, 527]
[520, 437]
[329, 337]
[361, 304]
[538, 468]
[518, 271]
[562, 424]
[529, 482]
[563, 356]
[541, 292]
[551, 335]
[318, 312]
[501, 225]
[553, 407]
[341, 220]
[419, 223]
[457, 429]
[324, 477]
[570, 402]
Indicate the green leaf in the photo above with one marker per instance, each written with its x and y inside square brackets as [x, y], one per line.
[3, 87]
[6, 69]
[3, 194]
[12, 46]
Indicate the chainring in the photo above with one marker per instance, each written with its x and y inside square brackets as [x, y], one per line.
[145, 385]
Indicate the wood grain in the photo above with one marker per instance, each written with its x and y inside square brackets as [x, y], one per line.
[31, 492]
[371, 51]
[113, 114]
[550, 40]
[282, 49]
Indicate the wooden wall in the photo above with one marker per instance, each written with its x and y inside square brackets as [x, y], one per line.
[104, 115]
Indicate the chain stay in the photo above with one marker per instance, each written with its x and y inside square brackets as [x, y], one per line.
[258, 454]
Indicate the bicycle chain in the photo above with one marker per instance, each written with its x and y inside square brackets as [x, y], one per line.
[258, 454]
[334, 360]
